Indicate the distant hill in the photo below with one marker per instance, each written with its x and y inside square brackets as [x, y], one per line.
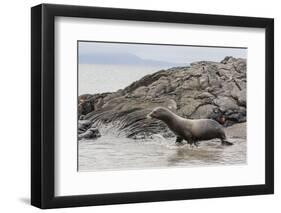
[121, 58]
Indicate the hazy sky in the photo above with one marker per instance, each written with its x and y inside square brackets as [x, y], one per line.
[167, 53]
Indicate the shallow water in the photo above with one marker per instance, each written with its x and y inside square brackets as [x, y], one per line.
[116, 152]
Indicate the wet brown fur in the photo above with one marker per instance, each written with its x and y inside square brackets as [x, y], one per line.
[188, 129]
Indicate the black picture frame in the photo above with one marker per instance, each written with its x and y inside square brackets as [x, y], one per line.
[43, 102]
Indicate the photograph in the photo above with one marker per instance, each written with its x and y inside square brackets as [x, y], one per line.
[153, 106]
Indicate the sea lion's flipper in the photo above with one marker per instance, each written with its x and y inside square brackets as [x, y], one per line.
[179, 140]
[226, 143]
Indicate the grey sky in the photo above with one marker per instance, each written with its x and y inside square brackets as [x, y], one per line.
[167, 53]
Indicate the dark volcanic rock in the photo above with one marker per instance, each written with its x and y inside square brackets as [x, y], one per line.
[87, 130]
[215, 90]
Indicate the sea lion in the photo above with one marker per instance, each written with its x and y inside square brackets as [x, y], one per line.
[191, 130]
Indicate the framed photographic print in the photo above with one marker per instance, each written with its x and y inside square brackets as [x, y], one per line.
[139, 106]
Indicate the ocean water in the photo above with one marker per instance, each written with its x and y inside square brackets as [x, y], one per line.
[110, 78]
[113, 151]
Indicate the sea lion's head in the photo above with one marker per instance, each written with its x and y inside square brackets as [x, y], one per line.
[160, 113]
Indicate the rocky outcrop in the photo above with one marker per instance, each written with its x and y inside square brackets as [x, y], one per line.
[205, 89]
[87, 130]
